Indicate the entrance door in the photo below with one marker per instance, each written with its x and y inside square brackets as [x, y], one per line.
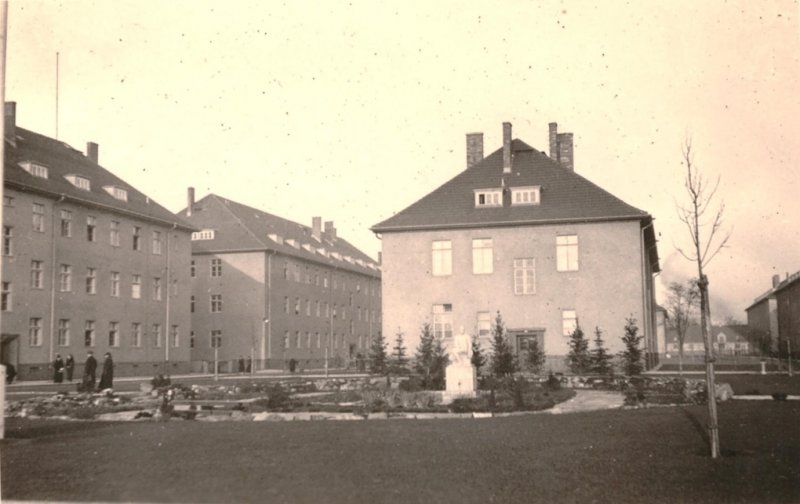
[523, 340]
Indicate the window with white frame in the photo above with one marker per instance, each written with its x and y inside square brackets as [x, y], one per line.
[191, 305]
[114, 233]
[156, 289]
[113, 334]
[65, 278]
[488, 198]
[442, 258]
[157, 335]
[216, 267]
[34, 169]
[5, 297]
[88, 333]
[136, 334]
[443, 320]
[35, 332]
[174, 336]
[525, 195]
[91, 227]
[567, 253]
[136, 287]
[117, 192]
[193, 269]
[157, 243]
[91, 281]
[524, 276]
[66, 223]
[38, 217]
[205, 234]
[216, 303]
[297, 337]
[569, 322]
[8, 245]
[482, 256]
[63, 332]
[216, 339]
[37, 274]
[137, 238]
[114, 284]
[484, 323]
[79, 182]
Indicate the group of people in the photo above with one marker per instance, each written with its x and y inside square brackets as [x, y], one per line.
[62, 367]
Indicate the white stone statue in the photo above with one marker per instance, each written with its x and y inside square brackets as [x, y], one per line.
[462, 349]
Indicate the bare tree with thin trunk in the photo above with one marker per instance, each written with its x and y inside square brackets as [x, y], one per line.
[705, 226]
[681, 302]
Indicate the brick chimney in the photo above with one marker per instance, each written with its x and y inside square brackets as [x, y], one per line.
[11, 122]
[561, 149]
[506, 147]
[776, 279]
[92, 151]
[316, 228]
[474, 149]
[330, 231]
[189, 201]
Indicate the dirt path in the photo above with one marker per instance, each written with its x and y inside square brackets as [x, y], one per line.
[589, 400]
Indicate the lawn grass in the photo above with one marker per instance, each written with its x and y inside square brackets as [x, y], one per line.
[650, 455]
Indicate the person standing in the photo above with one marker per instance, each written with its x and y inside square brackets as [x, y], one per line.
[58, 369]
[69, 367]
[89, 372]
[107, 376]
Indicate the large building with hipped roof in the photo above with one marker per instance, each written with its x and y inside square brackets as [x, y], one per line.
[521, 233]
[89, 263]
[270, 290]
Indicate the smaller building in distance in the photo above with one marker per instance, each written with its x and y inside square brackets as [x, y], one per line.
[728, 340]
[273, 291]
[774, 316]
[89, 263]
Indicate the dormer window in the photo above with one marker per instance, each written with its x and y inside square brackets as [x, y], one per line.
[525, 195]
[336, 256]
[79, 182]
[117, 192]
[204, 234]
[276, 238]
[488, 198]
[34, 169]
[309, 248]
[293, 243]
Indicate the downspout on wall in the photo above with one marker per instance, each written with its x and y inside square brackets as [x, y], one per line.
[53, 278]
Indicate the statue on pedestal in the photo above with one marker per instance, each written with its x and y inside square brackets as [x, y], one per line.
[462, 349]
[460, 376]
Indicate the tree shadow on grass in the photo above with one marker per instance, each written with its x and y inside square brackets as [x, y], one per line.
[699, 427]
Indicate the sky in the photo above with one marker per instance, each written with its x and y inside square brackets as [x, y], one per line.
[354, 110]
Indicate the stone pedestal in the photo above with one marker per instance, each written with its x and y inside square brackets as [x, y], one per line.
[461, 381]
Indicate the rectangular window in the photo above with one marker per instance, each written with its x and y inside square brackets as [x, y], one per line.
[8, 201]
[308, 308]
[156, 289]
[443, 320]
[193, 269]
[137, 238]
[114, 284]
[524, 276]
[91, 281]
[488, 198]
[317, 308]
[66, 223]
[327, 310]
[63, 332]
[297, 339]
[38, 217]
[37, 274]
[482, 256]
[569, 322]
[35, 332]
[319, 340]
[442, 255]
[216, 267]
[174, 336]
[157, 242]
[567, 253]
[191, 305]
[216, 339]
[113, 334]
[5, 297]
[191, 339]
[136, 334]
[114, 234]
[285, 304]
[136, 287]
[525, 195]
[297, 306]
[7, 244]
[91, 228]
[157, 335]
[216, 303]
[484, 324]
[308, 339]
[88, 333]
[65, 278]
